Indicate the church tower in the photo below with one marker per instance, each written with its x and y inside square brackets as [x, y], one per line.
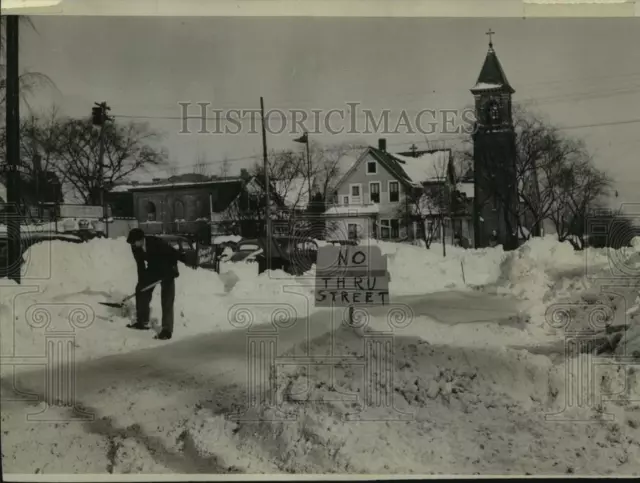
[494, 154]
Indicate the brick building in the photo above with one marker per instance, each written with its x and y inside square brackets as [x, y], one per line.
[191, 204]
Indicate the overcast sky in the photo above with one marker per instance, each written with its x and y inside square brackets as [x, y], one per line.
[573, 72]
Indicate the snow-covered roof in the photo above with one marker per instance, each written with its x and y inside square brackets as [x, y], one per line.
[226, 238]
[353, 210]
[122, 188]
[487, 85]
[431, 166]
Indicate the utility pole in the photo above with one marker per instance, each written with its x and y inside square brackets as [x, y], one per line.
[14, 259]
[304, 139]
[267, 205]
[37, 169]
[99, 118]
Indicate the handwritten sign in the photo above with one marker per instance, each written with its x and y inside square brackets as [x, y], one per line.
[351, 276]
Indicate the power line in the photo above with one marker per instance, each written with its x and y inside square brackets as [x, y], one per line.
[252, 114]
[415, 96]
[408, 143]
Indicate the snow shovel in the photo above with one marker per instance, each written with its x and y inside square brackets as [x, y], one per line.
[128, 297]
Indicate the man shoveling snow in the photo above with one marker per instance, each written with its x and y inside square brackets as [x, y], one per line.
[157, 261]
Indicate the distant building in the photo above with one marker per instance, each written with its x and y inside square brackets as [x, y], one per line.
[193, 204]
[374, 198]
[38, 194]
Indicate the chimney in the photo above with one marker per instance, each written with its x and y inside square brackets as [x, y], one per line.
[382, 144]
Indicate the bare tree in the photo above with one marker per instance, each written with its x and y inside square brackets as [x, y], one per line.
[544, 162]
[578, 188]
[325, 172]
[201, 166]
[40, 180]
[287, 185]
[436, 199]
[70, 148]
[425, 206]
[225, 167]
[291, 176]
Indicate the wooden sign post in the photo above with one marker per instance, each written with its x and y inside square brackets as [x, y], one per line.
[351, 276]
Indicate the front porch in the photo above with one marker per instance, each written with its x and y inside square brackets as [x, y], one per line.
[361, 222]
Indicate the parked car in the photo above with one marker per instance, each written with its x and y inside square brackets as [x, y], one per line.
[294, 255]
[302, 253]
[343, 242]
[247, 250]
[184, 246]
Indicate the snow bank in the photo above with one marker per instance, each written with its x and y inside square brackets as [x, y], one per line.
[59, 277]
[416, 270]
[62, 284]
[445, 410]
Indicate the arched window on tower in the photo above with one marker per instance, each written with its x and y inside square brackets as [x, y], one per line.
[151, 211]
[494, 113]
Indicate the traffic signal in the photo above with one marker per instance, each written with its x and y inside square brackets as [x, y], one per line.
[97, 115]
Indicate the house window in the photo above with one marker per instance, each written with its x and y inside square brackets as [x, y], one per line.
[353, 231]
[374, 191]
[372, 167]
[394, 191]
[385, 229]
[345, 200]
[356, 194]
[395, 228]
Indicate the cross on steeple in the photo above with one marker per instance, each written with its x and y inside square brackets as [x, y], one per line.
[413, 149]
[490, 33]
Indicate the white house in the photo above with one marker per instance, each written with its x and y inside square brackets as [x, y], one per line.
[374, 198]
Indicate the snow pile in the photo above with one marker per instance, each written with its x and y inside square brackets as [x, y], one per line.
[535, 268]
[63, 282]
[416, 270]
[271, 295]
[431, 409]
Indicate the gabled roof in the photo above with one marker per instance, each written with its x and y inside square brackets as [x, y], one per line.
[225, 194]
[492, 77]
[412, 171]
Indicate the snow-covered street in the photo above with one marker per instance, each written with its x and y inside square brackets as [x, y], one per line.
[462, 379]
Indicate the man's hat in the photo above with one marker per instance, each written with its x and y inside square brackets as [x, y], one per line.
[135, 235]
